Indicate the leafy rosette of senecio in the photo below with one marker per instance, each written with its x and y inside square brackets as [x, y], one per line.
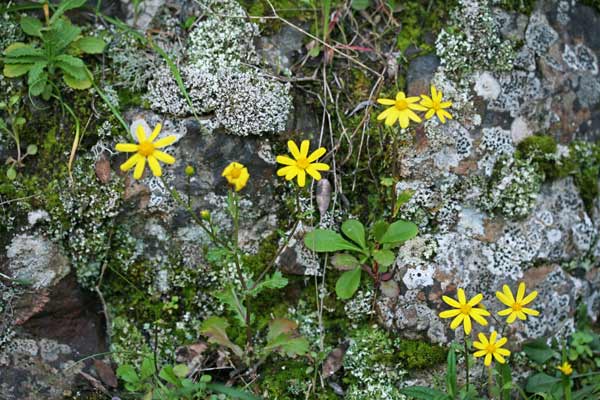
[359, 251]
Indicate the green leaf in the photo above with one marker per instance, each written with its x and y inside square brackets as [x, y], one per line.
[378, 229]
[538, 351]
[215, 329]
[282, 337]
[127, 373]
[16, 70]
[543, 383]
[451, 373]
[61, 35]
[90, 45]
[31, 26]
[169, 375]
[76, 83]
[148, 368]
[355, 231]
[506, 376]
[37, 78]
[385, 258]
[11, 174]
[360, 5]
[229, 297]
[181, 370]
[348, 283]
[275, 281]
[344, 262]
[72, 66]
[326, 240]
[231, 392]
[399, 231]
[424, 393]
[32, 149]
[402, 199]
[65, 6]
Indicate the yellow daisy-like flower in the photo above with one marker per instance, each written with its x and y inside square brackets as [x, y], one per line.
[402, 110]
[517, 306]
[565, 368]
[435, 105]
[146, 151]
[302, 163]
[237, 175]
[491, 348]
[464, 311]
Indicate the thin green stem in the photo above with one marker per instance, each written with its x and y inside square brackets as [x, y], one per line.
[466, 364]
[566, 382]
[490, 382]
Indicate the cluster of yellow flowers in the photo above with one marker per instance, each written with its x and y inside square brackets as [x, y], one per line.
[465, 310]
[403, 108]
[236, 174]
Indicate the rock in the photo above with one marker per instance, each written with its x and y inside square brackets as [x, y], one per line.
[35, 259]
[420, 74]
[280, 50]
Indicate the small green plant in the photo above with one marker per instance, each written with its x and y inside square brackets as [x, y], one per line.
[172, 382]
[53, 52]
[12, 125]
[370, 253]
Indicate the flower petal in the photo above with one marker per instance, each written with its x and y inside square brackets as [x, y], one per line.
[467, 324]
[488, 360]
[508, 293]
[127, 147]
[504, 352]
[416, 107]
[449, 313]
[493, 337]
[304, 147]
[313, 172]
[456, 321]
[426, 101]
[505, 312]
[164, 142]
[480, 311]
[479, 319]
[285, 160]
[131, 161]
[384, 114]
[504, 299]
[293, 149]
[392, 117]
[430, 114]
[400, 96]
[462, 299]
[501, 342]
[475, 300]
[530, 311]
[520, 292]
[480, 353]
[511, 318]
[316, 154]
[386, 102]
[529, 298]
[483, 339]
[141, 134]
[451, 302]
[499, 357]
[412, 99]
[446, 104]
[444, 113]
[320, 166]
[155, 132]
[154, 166]
[301, 178]
[479, 345]
[413, 116]
[166, 158]
[404, 119]
[440, 116]
[286, 170]
[139, 168]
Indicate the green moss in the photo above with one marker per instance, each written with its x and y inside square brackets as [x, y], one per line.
[541, 150]
[521, 6]
[290, 380]
[417, 354]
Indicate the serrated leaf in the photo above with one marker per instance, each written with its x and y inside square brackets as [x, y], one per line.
[16, 70]
[90, 45]
[169, 375]
[355, 231]
[19, 53]
[326, 240]
[279, 326]
[215, 329]
[384, 257]
[344, 262]
[229, 297]
[282, 338]
[61, 35]
[72, 66]
[348, 283]
[76, 83]
[31, 26]
[148, 368]
[275, 281]
[399, 231]
[37, 78]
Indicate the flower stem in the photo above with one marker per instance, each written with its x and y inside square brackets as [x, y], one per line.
[490, 381]
[466, 364]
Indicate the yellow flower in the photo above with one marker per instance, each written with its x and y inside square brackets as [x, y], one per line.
[402, 110]
[146, 150]
[435, 105]
[464, 311]
[517, 308]
[565, 368]
[302, 163]
[205, 215]
[237, 175]
[489, 348]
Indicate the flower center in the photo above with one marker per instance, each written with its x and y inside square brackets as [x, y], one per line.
[302, 163]
[516, 307]
[465, 309]
[401, 105]
[235, 173]
[146, 148]
[436, 105]
[490, 348]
